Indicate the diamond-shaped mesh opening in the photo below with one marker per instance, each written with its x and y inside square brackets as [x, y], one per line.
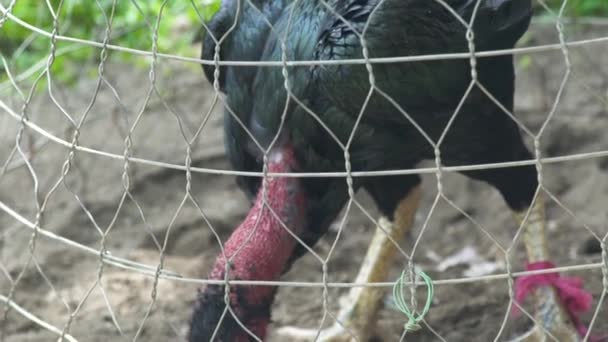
[118, 201]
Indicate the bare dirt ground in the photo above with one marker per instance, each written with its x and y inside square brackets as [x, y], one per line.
[462, 312]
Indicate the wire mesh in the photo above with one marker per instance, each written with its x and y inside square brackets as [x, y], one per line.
[82, 167]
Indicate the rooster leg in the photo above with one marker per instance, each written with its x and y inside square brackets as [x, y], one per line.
[549, 309]
[359, 309]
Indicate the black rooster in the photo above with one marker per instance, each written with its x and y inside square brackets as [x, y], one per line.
[310, 130]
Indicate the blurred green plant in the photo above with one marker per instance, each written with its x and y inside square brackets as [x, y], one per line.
[581, 8]
[133, 23]
[575, 9]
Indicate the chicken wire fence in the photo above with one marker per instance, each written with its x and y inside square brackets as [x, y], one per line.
[26, 174]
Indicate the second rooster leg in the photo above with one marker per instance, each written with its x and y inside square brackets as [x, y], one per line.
[358, 310]
[549, 310]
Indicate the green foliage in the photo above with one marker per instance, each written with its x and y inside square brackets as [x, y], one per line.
[133, 24]
[580, 8]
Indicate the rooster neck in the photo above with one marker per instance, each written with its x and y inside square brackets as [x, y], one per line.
[261, 246]
[259, 249]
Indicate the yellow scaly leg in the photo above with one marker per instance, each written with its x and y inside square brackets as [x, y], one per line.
[549, 310]
[359, 313]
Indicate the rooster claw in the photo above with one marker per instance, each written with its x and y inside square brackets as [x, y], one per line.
[537, 334]
[532, 335]
[335, 333]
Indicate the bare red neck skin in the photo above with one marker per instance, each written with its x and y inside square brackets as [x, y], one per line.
[261, 246]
